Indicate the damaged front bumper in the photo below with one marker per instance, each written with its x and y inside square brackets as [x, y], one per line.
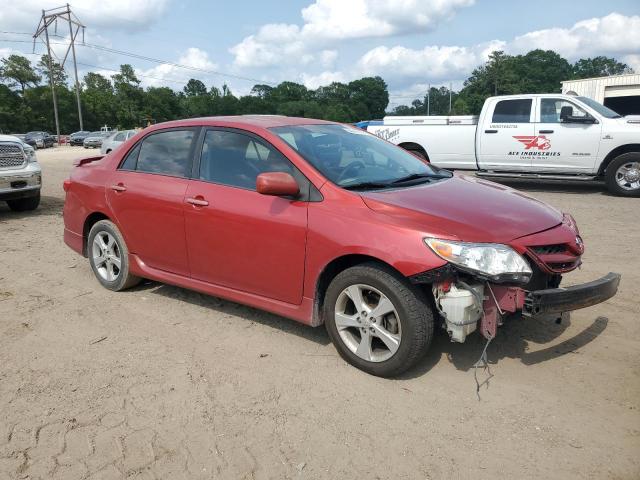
[559, 300]
[466, 307]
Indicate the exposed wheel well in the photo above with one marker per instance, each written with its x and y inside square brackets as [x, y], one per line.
[89, 222]
[631, 147]
[332, 269]
[414, 147]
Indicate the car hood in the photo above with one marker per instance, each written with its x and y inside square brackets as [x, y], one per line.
[466, 208]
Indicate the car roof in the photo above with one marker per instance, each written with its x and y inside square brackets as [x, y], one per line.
[260, 121]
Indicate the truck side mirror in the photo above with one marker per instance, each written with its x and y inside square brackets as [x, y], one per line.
[566, 112]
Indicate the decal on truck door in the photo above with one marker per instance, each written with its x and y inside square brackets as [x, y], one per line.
[539, 141]
[534, 145]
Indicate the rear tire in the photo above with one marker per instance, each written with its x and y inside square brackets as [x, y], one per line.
[383, 345]
[623, 175]
[109, 257]
[24, 204]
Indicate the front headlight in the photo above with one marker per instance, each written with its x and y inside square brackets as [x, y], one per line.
[495, 261]
[30, 153]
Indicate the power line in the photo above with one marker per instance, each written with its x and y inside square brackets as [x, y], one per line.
[145, 58]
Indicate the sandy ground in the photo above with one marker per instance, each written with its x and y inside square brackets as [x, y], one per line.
[161, 382]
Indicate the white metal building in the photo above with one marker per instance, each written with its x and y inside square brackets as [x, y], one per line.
[618, 92]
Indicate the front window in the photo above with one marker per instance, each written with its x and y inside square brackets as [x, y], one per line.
[550, 109]
[598, 107]
[353, 159]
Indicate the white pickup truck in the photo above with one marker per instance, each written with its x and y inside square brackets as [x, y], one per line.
[553, 136]
[20, 174]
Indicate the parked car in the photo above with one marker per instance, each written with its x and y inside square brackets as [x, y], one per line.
[77, 138]
[324, 223]
[20, 174]
[95, 139]
[553, 136]
[39, 139]
[115, 140]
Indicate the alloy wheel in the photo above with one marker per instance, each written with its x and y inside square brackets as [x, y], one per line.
[106, 256]
[628, 176]
[368, 323]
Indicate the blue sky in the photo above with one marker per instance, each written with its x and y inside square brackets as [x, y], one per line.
[410, 43]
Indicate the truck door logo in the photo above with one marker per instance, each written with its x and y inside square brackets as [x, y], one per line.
[539, 142]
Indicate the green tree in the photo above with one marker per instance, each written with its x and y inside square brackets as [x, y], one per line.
[194, 88]
[599, 67]
[59, 74]
[129, 98]
[17, 70]
[372, 92]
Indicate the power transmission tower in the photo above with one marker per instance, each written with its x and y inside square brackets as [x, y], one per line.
[51, 17]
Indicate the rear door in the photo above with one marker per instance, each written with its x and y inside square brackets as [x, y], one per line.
[506, 135]
[565, 147]
[146, 194]
[236, 237]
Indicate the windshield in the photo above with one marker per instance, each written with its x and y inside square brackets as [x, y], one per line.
[34, 134]
[352, 158]
[598, 107]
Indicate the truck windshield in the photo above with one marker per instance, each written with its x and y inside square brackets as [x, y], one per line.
[598, 107]
[354, 159]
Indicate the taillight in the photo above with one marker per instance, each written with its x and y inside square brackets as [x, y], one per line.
[66, 184]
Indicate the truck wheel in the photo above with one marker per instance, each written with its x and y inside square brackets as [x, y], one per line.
[24, 204]
[377, 320]
[623, 175]
[109, 257]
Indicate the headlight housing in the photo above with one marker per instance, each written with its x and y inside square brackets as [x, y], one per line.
[494, 261]
[30, 153]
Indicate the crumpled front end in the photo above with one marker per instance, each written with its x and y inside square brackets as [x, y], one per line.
[468, 302]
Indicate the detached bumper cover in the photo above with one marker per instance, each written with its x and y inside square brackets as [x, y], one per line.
[557, 300]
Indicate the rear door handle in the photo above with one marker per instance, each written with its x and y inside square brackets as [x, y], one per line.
[491, 131]
[119, 187]
[545, 131]
[197, 201]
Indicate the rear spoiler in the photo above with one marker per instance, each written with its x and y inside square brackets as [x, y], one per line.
[84, 161]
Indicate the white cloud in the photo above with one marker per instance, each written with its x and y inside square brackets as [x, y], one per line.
[329, 21]
[168, 75]
[323, 78]
[130, 15]
[609, 35]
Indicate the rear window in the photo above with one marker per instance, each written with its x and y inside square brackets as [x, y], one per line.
[164, 153]
[512, 111]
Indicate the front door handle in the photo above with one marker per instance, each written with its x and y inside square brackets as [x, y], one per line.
[491, 131]
[545, 131]
[119, 188]
[198, 201]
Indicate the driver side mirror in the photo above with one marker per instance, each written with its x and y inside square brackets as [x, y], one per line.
[279, 184]
[566, 116]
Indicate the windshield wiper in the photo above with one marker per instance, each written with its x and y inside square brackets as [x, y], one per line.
[417, 176]
[366, 185]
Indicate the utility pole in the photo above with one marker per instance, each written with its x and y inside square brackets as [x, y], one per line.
[450, 88]
[429, 101]
[48, 18]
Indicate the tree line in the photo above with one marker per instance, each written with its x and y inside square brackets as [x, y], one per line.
[120, 101]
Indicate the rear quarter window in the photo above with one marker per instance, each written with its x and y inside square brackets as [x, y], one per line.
[512, 111]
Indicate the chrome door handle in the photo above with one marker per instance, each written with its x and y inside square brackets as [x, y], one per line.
[198, 202]
[545, 131]
[118, 188]
[491, 131]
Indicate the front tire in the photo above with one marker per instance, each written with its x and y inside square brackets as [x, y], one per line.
[109, 257]
[377, 320]
[623, 175]
[24, 204]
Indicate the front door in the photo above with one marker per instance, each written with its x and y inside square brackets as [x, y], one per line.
[568, 147]
[146, 194]
[236, 237]
[505, 137]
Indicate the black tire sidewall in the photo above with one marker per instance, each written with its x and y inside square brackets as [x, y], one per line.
[417, 329]
[123, 279]
[610, 175]
[24, 204]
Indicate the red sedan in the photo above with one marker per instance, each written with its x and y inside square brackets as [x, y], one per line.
[323, 223]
